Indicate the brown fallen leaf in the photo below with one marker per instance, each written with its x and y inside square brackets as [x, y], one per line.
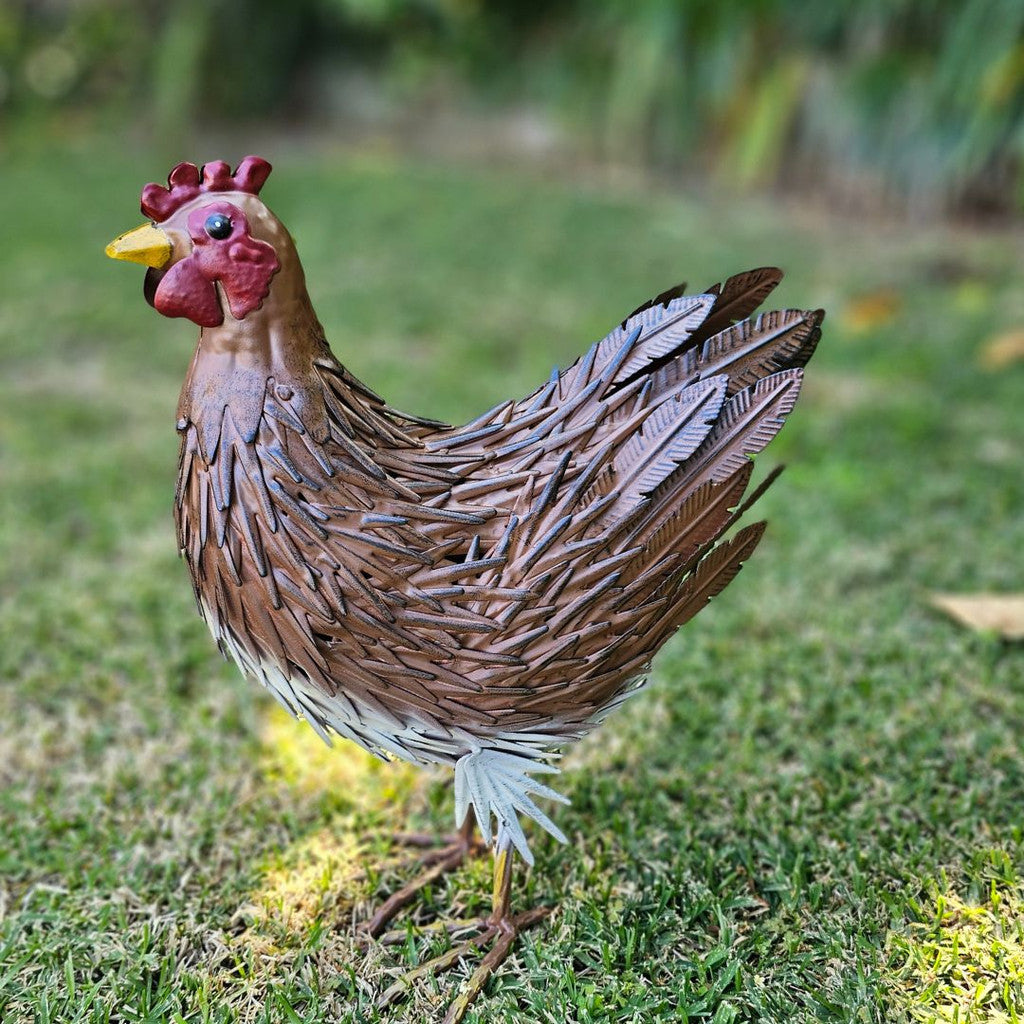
[871, 309]
[989, 613]
[1002, 350]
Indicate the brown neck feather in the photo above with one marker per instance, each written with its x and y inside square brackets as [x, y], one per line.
[234, 362]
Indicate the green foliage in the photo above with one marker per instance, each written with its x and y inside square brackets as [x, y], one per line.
[751, 839]
[913, 102]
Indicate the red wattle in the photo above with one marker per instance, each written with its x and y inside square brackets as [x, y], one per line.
[184, 291]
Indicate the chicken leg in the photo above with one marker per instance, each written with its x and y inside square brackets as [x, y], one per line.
[498, 931]
[435, 863]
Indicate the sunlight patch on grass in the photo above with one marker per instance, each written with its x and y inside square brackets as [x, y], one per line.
[960, 962]
[306, 881]
[304, 884]
[292, 754]
[293, 932]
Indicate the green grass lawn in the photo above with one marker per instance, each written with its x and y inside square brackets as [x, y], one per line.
[814, 813]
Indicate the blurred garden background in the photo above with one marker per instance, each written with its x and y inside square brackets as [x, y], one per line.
[814, 812]
[915, 104]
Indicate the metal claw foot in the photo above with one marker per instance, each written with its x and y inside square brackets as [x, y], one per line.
[498, 931]
[435, 863]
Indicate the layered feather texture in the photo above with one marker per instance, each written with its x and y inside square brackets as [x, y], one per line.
[482, 595]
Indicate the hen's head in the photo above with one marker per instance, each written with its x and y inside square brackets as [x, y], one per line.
[211, 241]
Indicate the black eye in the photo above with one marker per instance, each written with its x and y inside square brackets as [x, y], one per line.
[218, 225]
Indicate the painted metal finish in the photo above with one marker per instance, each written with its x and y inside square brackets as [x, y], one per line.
[478, 595]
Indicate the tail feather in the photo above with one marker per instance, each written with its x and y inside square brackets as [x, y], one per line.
[715, 573]
[663, 333]
[726, 303]
[747, 422]
[672, 432]
[747, 351]
[687, 526]
[737, 299]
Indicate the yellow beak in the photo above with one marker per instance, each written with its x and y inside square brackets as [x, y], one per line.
[146, 245]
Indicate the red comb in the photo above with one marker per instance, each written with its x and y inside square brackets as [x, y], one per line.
[186, 182]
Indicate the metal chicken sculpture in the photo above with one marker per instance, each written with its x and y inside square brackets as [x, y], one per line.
[474, 596]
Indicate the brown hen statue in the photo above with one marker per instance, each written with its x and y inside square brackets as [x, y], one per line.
[474, 596]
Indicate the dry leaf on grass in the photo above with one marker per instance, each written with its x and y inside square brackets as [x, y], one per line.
[1002, 350]
[996, 613]
[871, 309]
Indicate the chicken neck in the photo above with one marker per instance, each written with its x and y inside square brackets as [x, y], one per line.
[236, 363]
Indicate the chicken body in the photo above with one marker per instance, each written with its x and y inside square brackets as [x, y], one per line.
[476, 596]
